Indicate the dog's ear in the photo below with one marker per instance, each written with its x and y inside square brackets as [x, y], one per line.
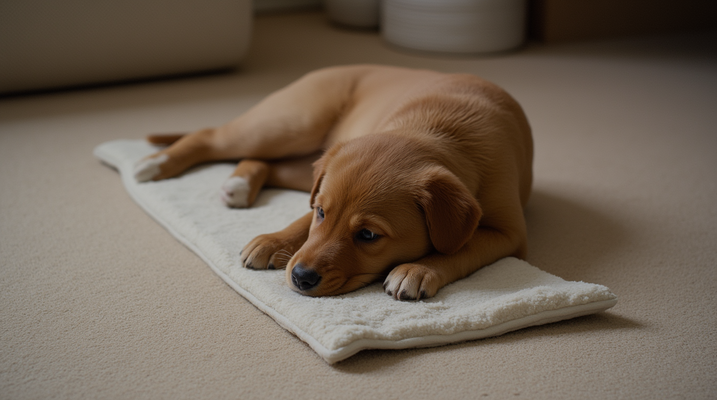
[318, 177]
[320, 170]
[452, 213]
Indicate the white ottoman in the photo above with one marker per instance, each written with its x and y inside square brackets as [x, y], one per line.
[49, 44]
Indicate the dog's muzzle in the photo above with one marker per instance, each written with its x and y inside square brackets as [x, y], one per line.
[304, 278]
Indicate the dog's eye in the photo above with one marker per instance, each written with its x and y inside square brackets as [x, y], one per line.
[366, 235]
[320, 213]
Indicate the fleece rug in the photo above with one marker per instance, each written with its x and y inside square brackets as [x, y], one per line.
[505, 296]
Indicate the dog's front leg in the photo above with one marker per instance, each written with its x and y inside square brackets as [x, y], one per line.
[274, 250]
[423, 278]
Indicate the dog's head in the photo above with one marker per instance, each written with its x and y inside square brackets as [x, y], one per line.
[378, 201]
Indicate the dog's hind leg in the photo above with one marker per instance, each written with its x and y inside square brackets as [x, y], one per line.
[165, 139]
[187, 151]
[292, 122]
[293, 173]
[242, 187]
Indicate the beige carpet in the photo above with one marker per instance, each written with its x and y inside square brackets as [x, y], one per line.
[98, 301]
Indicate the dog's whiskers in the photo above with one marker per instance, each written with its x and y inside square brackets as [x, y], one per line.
[284, 253]
[283, 256]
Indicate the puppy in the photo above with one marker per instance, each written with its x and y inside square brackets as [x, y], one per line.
[415, 176]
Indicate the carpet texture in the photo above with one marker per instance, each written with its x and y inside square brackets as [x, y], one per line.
[99, 302]
[506, 296]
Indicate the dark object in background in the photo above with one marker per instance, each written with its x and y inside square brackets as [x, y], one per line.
[565, 20]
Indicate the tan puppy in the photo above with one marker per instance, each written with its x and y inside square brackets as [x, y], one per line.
[423, 179]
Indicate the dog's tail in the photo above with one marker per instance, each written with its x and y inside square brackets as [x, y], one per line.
[164, 139]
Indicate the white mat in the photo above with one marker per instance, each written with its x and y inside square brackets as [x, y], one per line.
[508, 295]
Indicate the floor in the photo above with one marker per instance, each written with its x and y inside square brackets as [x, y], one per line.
[98, 301]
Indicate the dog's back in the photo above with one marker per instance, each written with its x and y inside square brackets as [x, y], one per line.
[473, 125]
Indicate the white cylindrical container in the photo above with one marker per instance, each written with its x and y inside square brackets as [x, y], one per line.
[354, 13]
[455, 26]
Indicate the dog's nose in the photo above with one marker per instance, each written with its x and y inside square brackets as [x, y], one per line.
[304, 278]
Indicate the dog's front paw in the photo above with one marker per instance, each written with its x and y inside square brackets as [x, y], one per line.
[267, 252]
[411, 282]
